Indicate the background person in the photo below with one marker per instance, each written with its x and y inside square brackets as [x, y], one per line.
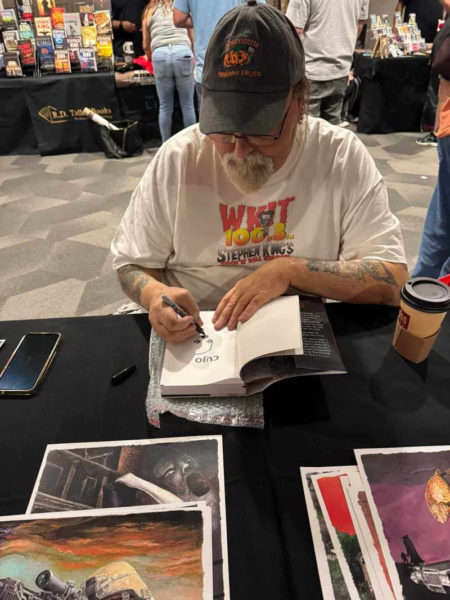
[431, 101]
[203, 16]
[126, 23]
[260, 198]
[434, 251]
[329, 31]
[170, 51]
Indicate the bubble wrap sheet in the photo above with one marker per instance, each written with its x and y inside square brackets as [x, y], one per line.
[232, 411]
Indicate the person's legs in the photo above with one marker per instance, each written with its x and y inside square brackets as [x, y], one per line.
[183, 68]
[333, 102]
[315, 97]
[431, 102]
[165, 85]
[434, 252]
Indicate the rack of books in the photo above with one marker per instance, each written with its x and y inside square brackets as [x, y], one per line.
[39, 37]
[402, 39]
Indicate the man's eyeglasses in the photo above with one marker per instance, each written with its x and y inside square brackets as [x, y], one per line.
[253, 140]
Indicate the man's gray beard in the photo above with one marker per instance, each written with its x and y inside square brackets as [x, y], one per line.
[248, 174]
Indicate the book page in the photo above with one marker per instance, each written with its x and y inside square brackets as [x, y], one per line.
[273, 329]
[201, 361]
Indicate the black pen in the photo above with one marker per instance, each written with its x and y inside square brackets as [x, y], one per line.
[181, 312]
[122, 375]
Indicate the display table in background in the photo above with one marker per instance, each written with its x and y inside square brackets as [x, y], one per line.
[140, 103]
[310, 421]
[393, 92]
[44, 114]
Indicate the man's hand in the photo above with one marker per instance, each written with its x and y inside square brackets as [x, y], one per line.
[129, 27]
[144, 286]
[250, 293]
[164, 319]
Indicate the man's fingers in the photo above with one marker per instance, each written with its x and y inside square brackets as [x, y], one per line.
[254, 304]
[225, 313]
[173, 322]
[239, 309]
[222, 305]
[185, 300]
[175, 337]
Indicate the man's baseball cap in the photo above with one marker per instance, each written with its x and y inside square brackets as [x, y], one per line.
[253, 58]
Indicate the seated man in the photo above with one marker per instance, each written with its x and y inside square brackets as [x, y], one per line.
[259, 198]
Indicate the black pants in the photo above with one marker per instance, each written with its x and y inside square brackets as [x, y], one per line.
[431, 102]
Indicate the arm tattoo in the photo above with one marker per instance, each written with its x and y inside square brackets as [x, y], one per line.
[132, 280]
[361, 270]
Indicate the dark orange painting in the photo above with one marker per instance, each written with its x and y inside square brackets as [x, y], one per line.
[162, 552]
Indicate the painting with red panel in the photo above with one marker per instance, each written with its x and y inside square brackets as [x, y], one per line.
[339, 516]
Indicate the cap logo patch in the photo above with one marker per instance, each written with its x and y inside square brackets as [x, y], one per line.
[238, 56]
[239, 52]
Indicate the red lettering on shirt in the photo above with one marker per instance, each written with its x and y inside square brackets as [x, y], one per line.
[229, 218]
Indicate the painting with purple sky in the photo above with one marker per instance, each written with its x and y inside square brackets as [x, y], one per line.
[396, 480]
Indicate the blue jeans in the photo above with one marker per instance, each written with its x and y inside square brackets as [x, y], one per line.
[434, 252]
[174, 67]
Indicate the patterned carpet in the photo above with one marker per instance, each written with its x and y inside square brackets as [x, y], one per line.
[59, 213]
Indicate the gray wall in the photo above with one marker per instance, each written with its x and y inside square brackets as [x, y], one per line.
[383, 7]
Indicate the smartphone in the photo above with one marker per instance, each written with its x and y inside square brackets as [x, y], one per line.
[28, 364]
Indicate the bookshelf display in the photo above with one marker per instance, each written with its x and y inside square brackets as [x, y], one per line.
[42, 37]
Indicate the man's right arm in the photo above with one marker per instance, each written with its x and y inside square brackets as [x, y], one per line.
[144, 287]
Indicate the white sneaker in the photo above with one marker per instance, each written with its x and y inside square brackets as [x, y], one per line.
[343, 124]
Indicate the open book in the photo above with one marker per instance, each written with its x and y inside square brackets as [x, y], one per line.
[270, 346]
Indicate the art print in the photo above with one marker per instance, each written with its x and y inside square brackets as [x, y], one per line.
[333, 503]
[141, 553]
[130, 473]
[368, 539]
[409, 494]
[330, 574]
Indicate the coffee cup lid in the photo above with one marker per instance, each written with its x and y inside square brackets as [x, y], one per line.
[427, 294]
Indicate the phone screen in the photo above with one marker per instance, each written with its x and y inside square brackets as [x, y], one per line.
[28, 361]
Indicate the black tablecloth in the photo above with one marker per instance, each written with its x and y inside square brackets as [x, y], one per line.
[44, 114]
[393, 92]
[312, 421]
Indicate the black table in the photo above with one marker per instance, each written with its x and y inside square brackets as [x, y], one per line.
[313, 421]
[393, 92]
[44, 114]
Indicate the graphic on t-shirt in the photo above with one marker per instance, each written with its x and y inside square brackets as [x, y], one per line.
[255, 233]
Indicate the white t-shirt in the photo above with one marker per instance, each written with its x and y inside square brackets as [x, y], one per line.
[329, 37]
[328, 201]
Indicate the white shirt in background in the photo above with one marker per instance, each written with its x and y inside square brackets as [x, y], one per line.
[329, 37]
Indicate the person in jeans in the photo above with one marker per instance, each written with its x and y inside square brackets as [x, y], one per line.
[170, 51]
[203, 16]
[434, 251]
[329, 31]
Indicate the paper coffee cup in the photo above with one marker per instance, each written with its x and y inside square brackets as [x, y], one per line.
[424, 303]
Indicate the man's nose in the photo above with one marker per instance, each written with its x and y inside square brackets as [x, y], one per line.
[242, 148]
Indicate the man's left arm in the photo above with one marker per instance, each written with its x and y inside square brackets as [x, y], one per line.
[360, 281]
